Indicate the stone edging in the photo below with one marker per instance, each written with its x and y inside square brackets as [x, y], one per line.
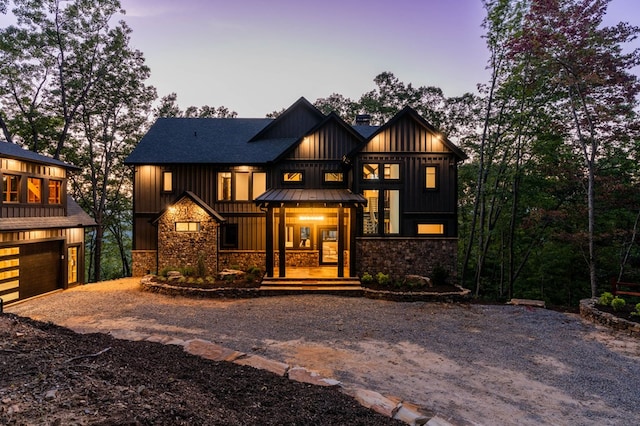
[390, 406]
[590, 312]
[230, 292]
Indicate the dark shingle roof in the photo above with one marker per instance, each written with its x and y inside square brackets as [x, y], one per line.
[207, 140]
[11, 150]
[75, 218]
[366, 131]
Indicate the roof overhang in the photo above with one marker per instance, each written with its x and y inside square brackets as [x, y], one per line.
[309, 197]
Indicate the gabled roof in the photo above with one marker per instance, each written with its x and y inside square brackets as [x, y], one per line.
[332, 117]
[11, 150]
[410, 112]
[206, 140]
[300, 105]
[75, 218]
[198, 201]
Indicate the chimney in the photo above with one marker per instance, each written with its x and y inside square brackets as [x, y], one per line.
[363, 119]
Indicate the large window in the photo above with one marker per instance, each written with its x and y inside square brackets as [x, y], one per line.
[259, 183]
[390, 171]
[34, 190]
[333, 177]
[370, 171]
[392, 211]
[370, 217]
[55, 192]
[11, 188]
[241, 186]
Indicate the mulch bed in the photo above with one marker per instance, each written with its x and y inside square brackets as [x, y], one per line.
[51, 375]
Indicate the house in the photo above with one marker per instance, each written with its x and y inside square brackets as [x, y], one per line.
[41, 227]
[302, 190]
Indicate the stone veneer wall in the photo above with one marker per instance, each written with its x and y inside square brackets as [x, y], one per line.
[143, 262]
[242, 259]
[185, 249]
[401, 256]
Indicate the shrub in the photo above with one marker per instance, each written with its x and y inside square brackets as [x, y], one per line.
[383, 279]
[187, 271]
[605, 299]
[439, 276]
[202, 267]
[617, 303]
[163, 272]
[254, 270]
[636, 313]
[210, 279]
[366, 278]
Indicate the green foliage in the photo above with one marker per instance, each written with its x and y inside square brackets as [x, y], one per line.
[254, 270]
[383, 279]
[636, 313]
[618, 303]
[366, 278]
[202, 267]
[605, 299]
[439, 276]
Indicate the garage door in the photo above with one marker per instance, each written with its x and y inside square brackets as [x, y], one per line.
[40, 268]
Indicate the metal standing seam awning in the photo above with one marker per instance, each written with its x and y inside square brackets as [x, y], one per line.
[292, 196]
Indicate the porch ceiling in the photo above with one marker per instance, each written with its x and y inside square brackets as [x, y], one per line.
[290, 196]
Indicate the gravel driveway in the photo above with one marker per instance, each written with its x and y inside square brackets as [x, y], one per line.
[471, 364]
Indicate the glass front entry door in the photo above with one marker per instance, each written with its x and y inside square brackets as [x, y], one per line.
[328, 246]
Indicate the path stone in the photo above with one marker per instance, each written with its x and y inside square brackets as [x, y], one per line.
[410, 414]
[301, 374]
[262, 363]
[375, 401]
[211, 351]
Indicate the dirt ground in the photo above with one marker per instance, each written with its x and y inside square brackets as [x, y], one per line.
[467, 364]
[52, 376]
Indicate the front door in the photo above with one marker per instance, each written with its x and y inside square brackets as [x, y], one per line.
[328, 246]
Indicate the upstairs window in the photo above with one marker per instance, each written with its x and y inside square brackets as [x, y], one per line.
[430, 229]
[431, 177]
[291, 177]
[333, 177]
[370, 171]
[167, 181]
[224, 186]
[11, 188]
[259, 183]
[242, 186]
[392, 171]
[55, 192]
[34, 190]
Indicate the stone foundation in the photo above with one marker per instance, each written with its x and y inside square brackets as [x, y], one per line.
[589, 311]
[143, 262]
[242, 259]
[401, 256]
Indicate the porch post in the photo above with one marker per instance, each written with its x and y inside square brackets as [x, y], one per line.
[282, 241]
[340, 241]
[353, 232]
[269, 242]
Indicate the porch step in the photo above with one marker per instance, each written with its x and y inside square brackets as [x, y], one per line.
[344, 286]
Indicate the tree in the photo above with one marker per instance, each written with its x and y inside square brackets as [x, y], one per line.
[596, 91]
[169, 107]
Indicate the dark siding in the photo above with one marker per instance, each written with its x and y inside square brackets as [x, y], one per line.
[406, 136]
[331, 142]
[296, 123]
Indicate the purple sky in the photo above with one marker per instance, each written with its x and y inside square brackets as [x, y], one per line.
[257, 56]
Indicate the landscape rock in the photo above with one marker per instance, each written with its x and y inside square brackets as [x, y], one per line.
[211, 351]
[418, 281]
[262, 363]
[301, 374]
[375, 401]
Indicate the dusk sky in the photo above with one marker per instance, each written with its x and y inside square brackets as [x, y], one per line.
[258, 56]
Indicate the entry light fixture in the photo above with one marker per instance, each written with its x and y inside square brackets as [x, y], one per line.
[311, 218]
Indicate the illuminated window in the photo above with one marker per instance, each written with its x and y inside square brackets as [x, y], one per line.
[370, 171]
[224, 186]
[259, 184]
[333, 177]
[55, 192]
[11, 188]
[431, 174]
[167, 181]
[292, 177]
[430, 229]
[187, 226]
[392, 171]
[34, 190]
[392, 211]
[370, 217]
[72, 265]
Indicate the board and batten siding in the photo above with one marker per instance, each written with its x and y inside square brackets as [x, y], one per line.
[331, 142]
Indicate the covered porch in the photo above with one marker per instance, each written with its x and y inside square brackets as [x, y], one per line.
[310, 232]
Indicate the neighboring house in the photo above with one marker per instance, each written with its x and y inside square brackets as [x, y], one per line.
[41, 227]
[302, 190]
